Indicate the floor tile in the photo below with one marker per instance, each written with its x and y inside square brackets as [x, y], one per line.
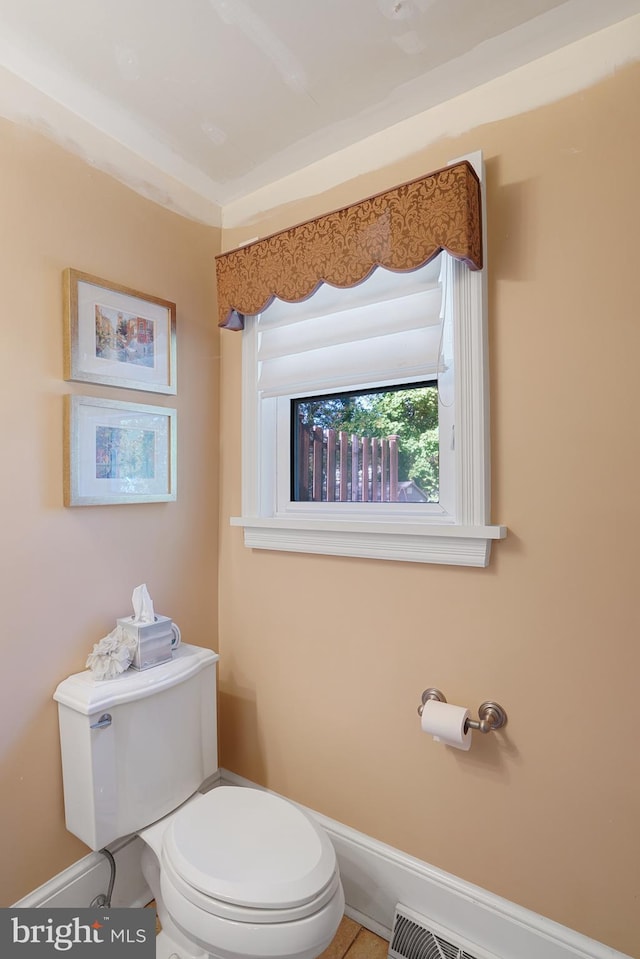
[152, 905]
[368, 946]
[347, 932]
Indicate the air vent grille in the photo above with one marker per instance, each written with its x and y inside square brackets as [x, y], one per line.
[417, 937]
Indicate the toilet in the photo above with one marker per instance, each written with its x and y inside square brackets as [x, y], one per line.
[236, 873]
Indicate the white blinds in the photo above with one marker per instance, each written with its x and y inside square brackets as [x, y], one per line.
[396, 340]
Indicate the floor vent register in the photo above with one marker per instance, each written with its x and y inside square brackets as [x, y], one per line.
[417, 937]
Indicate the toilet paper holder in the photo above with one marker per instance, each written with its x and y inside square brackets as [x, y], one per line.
[491, 715]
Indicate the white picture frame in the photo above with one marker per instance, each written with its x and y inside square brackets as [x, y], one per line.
[117, 452]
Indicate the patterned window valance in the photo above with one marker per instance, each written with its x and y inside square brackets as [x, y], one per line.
[401, 230]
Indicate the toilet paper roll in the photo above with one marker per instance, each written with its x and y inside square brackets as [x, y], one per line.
[446, 723]
[176, 637]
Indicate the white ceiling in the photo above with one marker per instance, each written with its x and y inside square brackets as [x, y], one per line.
[226, 96]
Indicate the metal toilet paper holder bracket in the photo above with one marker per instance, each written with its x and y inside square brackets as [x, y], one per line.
[491, 715]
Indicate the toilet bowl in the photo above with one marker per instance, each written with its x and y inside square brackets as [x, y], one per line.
[238, 873]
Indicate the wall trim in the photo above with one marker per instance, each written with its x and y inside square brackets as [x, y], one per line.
[87, 878]
[375, 877]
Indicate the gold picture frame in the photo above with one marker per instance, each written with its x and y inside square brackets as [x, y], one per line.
[117, 452]
[117, 336]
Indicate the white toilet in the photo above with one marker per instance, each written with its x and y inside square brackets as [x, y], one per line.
[236, 873]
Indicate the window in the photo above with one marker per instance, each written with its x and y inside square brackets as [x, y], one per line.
[390, 336]
[372, 446]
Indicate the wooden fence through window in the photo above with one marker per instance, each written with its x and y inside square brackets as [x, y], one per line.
[334, 466]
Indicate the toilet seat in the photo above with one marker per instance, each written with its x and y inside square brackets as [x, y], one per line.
[250, 856]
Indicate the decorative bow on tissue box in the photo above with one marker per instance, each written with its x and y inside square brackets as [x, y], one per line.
[155, 637]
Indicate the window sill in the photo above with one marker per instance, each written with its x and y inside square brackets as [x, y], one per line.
[407, 542]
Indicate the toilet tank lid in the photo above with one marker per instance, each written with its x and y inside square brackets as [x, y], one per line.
[87, 695]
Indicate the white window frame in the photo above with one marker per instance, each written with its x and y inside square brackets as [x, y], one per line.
[456, 534]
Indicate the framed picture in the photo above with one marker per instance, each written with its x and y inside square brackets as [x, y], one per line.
[117, 336]
[118, 452]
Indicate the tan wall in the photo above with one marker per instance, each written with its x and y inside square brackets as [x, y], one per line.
[67, 573]
[324, 659]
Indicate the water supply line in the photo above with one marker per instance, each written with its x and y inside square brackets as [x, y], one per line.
[102, 901]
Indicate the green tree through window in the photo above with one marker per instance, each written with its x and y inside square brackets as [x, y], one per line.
[410, 413]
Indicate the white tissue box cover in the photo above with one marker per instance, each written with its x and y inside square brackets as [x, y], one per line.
[153, 640]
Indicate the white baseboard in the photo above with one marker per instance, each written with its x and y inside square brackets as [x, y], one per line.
[89, 877]
[375, 878]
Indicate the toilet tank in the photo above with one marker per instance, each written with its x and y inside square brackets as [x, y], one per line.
[135, 747]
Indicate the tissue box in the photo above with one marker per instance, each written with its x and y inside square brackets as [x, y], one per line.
[153, 640]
